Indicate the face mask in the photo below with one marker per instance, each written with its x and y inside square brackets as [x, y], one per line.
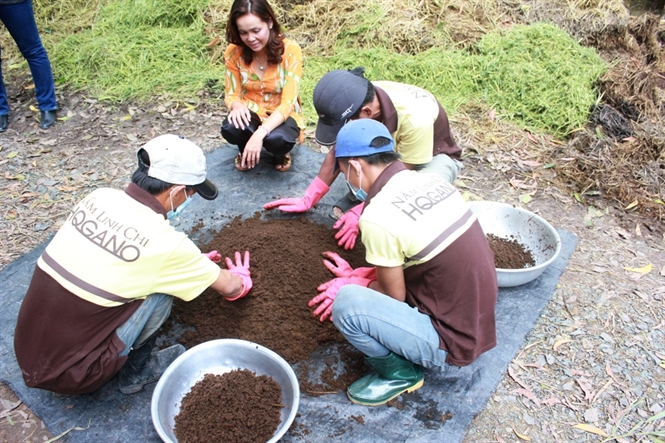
[359, 194]
[173, 213]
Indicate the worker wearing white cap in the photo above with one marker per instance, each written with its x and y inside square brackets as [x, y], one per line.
[106, 281]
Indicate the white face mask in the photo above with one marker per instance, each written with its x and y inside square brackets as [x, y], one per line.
[173, 213]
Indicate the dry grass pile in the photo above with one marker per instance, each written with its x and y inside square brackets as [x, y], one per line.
[596, 23]
[621, 154]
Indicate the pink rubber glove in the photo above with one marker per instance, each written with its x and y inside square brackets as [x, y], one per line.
[349, 227]
[341, 268]
[241, 269]
[214, 256]
[328, 293]
[315, 192]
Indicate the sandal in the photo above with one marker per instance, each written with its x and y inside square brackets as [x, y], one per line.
[239, 166]
[283, 164]
[343, 205]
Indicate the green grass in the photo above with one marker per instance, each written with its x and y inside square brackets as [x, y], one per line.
[138, 49]
[535, 76]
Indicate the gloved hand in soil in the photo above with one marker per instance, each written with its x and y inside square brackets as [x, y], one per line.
[349, 227]
[315, 192]
[241, 269]
[214, 256]
[341, 268]
[328, 293]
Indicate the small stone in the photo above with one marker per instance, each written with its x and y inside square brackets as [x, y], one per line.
[528, 419]
[41, 227]
[591, 415]
[607, 337]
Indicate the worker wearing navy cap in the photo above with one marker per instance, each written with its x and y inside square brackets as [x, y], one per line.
[429, 299]
[416, 120]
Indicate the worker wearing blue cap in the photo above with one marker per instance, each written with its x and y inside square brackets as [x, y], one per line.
[416, 120]
[429, 299]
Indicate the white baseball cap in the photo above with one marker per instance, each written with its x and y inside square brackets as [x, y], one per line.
[176, 160]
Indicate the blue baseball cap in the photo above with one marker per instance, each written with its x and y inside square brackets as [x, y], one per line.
[363, 137]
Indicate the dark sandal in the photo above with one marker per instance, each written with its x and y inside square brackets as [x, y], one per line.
[284, 164]
[239, 166]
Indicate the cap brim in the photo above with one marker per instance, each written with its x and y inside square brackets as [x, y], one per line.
[326, 134]
[206, 190]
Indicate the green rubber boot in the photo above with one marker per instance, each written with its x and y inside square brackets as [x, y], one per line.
[394, 375]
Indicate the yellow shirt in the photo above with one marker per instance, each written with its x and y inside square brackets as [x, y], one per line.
[113, 249]
[412, 219]
[278, 91]
[417, 111]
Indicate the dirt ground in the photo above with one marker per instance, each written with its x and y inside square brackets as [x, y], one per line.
[592, 366]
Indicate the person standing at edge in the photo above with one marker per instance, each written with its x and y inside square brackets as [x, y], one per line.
[18, 17]
[418, 124]
[106, 282]
[430, 299]
[263, 72]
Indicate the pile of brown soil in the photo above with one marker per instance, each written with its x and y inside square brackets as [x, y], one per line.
[509, 253]
[237, 406]
[286, 268]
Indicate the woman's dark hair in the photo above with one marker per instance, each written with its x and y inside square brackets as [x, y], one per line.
[153, 186]
[261, 9]
[369, 97]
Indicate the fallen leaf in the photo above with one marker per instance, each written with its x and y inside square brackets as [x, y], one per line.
[551, 401]
[632, 205]
[512, 374]
[33, 109]
[12, 154]
[590, 428]
[213, 42]
[609, 371]
[643, 270]
[531, 163]
[522, 436]
[559, 343]
[526, 198]
[519, 184]
[586, 387]
[528, 394]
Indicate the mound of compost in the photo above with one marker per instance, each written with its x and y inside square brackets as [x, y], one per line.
[238, 406]
[286, 268]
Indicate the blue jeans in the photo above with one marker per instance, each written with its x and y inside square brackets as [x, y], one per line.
[143, 323]
[376, 324]
[20, 22]
[442, 165]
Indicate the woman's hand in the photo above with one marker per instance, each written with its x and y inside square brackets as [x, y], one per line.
[239, 115]
[252, 153]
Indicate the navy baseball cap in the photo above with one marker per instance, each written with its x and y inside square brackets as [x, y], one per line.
[363, 137]
[337, 96]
